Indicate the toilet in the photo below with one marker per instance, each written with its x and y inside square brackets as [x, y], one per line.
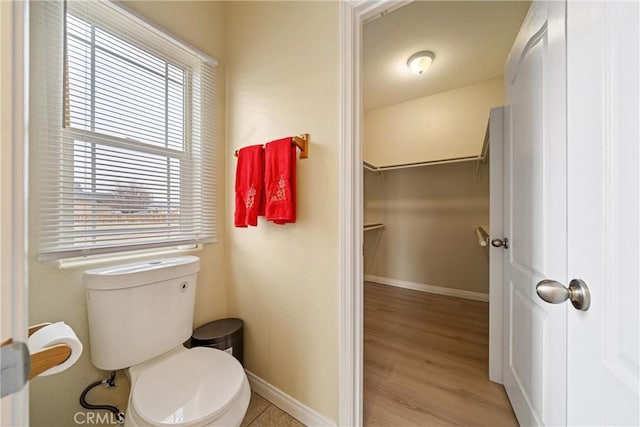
[139, 316]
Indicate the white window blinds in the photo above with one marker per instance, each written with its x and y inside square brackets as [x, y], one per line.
[122, 126]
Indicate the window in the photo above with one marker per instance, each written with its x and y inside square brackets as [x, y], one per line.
[130, 162]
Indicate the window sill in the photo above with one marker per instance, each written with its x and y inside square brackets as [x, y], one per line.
[124, 257]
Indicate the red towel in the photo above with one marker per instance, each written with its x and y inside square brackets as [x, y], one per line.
[249, 186]
[280, 181]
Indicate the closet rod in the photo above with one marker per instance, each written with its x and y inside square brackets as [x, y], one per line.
[301, 141]
[374, 226]
[483, 236]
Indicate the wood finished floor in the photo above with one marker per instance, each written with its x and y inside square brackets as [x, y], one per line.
[426, 361]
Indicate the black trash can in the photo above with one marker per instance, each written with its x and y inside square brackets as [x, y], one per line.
[223, 334]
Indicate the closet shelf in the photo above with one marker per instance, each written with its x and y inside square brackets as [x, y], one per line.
[369, 166]
[480, 159]
[374, 168]
[373, 226]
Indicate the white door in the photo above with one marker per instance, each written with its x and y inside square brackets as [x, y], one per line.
[603, 47]
[535, 332]
[572, 211]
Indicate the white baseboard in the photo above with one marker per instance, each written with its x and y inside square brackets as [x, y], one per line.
[450, 292]
[291, 406]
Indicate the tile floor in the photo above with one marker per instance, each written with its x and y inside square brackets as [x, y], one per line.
[261, 413]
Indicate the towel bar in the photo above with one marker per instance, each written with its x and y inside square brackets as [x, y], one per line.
[301, 141]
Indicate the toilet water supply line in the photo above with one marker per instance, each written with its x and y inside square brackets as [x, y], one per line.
[109, 382]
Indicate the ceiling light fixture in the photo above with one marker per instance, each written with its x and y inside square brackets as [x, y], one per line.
[419, 62]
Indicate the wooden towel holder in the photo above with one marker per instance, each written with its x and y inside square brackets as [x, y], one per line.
[45, 358]
[301, 141]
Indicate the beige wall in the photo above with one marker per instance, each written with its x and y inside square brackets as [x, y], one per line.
[430, 214]
[280, 280]
[57, 294]
[282, 60]
[445, 125]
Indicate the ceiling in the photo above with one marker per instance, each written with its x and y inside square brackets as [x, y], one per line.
[470, 39]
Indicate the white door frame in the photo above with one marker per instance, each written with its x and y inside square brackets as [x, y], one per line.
[14, 42]
[496, 255]
[353, 15]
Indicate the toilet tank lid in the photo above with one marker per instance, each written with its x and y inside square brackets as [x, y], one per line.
[141, 273]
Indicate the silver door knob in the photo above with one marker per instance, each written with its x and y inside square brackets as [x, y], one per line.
[556, 293]
[504, 243]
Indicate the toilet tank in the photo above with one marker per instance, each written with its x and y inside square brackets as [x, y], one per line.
[140, 311]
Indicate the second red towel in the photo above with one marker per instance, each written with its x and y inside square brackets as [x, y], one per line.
[280, 181]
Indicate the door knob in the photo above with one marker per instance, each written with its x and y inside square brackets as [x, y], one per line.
[496, 243]
[556, 293]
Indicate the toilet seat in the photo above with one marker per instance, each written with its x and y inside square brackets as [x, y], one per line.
[191, 387]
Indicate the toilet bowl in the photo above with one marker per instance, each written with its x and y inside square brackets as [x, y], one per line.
[197, 387]
[139, 315]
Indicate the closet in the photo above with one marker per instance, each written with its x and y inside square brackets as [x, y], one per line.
[421, 223]
[426, 211]
[426, 188]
